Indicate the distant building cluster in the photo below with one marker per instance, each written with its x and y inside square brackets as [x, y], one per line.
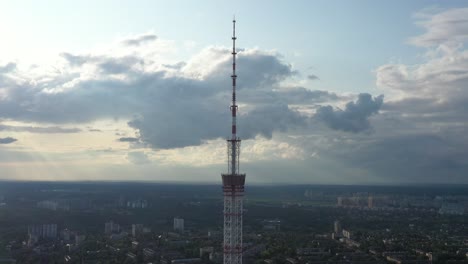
[43, 231]
[133, 203]
[51, 205]
[452, 209]
[444, 205]
[111, 228]
[364, 201]
[64, 204]
[137, 204]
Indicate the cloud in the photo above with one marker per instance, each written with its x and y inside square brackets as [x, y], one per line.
[422, 132]
[264, 120]
[178, 107]
[442, 75]
[139, 40]
[32, 129]
[301, 95]
[7, 67]
[74, 60]
[7, 140]
[128, 139]
[447, 27]
[104, 64]
[138, 157]
[415, 158]
[169, 107]
[355, 117]
[312, 77]
[437, 87]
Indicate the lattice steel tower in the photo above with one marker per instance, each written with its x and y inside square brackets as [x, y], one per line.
[233, 181]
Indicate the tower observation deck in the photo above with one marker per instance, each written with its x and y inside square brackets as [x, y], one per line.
[233, 181]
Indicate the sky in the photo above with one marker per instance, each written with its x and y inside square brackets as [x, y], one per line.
[330, 92]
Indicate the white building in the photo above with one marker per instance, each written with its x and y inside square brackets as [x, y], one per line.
[347, 234]
[178, 224]
[337, 227]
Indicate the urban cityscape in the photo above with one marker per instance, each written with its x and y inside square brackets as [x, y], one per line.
[166, 223]
[122, 145]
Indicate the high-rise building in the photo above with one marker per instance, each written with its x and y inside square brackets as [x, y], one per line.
[111, 227]
[233, 181]
[44, 231]
[137, 229]
[337, 227]
[370, 202]
[178, 224]
[339, 201]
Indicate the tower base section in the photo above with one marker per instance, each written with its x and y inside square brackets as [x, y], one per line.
[233, 189]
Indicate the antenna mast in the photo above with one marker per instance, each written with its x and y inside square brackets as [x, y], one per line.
[234, 77]
[233, 182]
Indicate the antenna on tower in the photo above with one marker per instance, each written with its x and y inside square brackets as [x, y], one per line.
[234, 77]
[233, 181]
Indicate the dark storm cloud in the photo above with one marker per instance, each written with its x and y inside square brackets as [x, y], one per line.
[355, 116]
[290, 95]
[258, 69]
[312, 77]
[415, 158]
[197, 123]
[169, 107]
[139, 40]
[185, 124]
[422, 133]
[7, 140]
[167, 111]
[301, 95]
[264, 120]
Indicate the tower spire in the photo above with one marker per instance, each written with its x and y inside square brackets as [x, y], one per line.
[234, 77]
[233, 181]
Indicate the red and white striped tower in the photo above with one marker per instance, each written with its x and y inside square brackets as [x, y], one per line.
[233, 181]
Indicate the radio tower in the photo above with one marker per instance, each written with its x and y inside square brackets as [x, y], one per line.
[233, 181]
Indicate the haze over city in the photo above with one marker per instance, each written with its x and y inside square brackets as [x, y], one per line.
[330, 92]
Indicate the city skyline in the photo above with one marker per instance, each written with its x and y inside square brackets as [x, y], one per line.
[145, 97]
